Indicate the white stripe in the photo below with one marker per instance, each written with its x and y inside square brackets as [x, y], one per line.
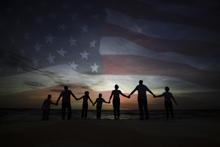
[56, 75]
[160, 29]
[121, 46]
[196, 13]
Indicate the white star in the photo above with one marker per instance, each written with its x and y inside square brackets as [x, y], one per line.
[62, 27]
[84, 28]
[26, 35]
[2, 24]
[72, 41]
[39, 20]
[9, 10]
[49, 38]
[43, 4]
[74, 16]
[73, 65]
[64, 5]
[29, 8]
[19, 69]
[95, 16]
[53, 16]
[18, 20]
[12, 40]
[35, 63]
[22, 52]
[84, 55]
[50, 58]
[37, 47]
[61, 52]
[87, 6]
[92, 44]
[94, 68]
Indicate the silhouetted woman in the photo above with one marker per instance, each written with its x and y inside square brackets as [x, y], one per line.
[116, 100]
[85, 104]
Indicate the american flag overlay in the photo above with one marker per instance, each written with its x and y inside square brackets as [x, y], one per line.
[100, 43]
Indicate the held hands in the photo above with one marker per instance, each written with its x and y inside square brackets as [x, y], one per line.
[128, 96]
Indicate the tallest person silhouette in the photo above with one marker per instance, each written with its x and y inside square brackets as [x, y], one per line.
[66, 102]
[142, 99]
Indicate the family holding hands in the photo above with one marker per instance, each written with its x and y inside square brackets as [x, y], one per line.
[142, 102]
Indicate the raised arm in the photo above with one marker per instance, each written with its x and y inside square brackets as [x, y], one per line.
[79, 98]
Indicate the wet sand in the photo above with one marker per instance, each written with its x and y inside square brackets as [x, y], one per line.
[117, 133]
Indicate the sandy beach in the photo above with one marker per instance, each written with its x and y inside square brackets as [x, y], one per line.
[117, 133]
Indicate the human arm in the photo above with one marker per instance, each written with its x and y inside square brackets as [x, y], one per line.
[123, 94]
[79, 98]
[42, 106]
[94, 103]
[159, 95]
[58, 99]
[74, 96]
[110, 97]
[105, 101]
[90, 100]
[173, 99]
[151, 92]
[132, 92]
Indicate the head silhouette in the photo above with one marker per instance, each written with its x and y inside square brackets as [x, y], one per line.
[116, 86]
[140, 82]
[167, 89]
[66, 87]
[100, 95]
[86, 93]
[49, 96]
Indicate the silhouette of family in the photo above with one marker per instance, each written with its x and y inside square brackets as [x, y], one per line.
[142, 102]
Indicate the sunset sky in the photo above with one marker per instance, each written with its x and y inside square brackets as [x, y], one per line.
[93, 45]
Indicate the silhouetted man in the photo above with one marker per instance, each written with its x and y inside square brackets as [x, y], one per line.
[142, 99]
[66, 102]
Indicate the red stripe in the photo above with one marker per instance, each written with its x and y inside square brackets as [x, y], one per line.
[139, 10]
[187, 47]
[136, 65]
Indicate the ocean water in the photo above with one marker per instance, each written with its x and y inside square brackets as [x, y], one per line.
[27, 115]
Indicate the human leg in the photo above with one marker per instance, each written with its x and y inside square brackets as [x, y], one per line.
[69, 111]
[46, 114]
[63, 110]
[167, 111]
[140, 105]
[86, 109]
[146, 109]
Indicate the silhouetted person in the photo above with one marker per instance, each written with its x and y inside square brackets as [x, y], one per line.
[99, 102]
[116, 100]
[168, 103]
[142, 99]
[46, 107]
[85, 104]
[66, 102]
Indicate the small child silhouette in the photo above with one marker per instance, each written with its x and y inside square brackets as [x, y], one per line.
[99, 102]
[46, 107]
[85, 104]
[168, 103]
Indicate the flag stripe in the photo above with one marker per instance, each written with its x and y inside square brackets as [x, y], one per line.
[136, 65]
[161, 29]
[202, 14]
[139, 10]
[186, 47]
[121, 46]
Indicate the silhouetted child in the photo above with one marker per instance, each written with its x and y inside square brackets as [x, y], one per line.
[46, 107]
[168, 103]
[85, 104]
[99, 102]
